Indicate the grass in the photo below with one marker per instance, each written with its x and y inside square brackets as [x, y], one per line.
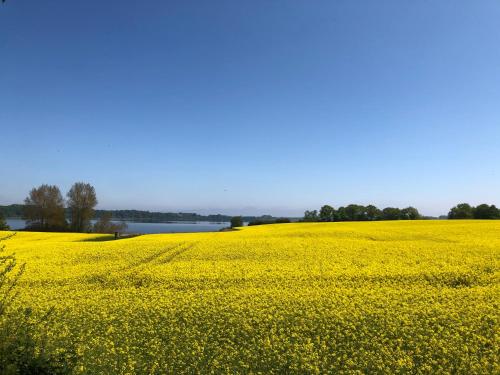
[381, 297]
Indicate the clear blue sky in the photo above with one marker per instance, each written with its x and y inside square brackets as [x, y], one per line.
[252, 107]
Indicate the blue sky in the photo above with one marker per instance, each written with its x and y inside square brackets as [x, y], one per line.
[252, 107]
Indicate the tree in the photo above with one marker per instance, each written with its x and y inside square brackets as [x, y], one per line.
[81, 202]
[3, 223]
[105, 225]
[282, 220]
[44, 208]
[461, 211]
[340, 215]
[355, 212]
[327, 213]
[483, 211]
[311, 216]
[391, 213]
[236, 221]
[410, 213]
[372, 213]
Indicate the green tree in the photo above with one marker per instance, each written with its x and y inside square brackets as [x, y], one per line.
[340, 214]
[355, 212]
[44, 208]
[327, 213]
[282, 220]
[410, 213]
[3, 223]
[236, 221]
[311, 216]
[372, 213]
[461, 211]
[483, 211]
[391, 213]
[81, 202]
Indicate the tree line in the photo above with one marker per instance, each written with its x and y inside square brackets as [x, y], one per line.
[45, 210]
[356, 212]
[466, 211]
[17, 210]
[238, 221]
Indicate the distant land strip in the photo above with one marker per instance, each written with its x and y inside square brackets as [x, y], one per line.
[16, 211]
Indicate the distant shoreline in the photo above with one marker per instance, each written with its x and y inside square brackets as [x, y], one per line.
[182, 226]
[15, 211]
[146, 221]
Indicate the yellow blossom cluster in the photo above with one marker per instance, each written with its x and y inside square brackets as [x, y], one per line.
[305, 298]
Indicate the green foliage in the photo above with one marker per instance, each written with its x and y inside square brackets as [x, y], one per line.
[280, 220]
[236, 221]
[327, 213]
[356, 212]
[483, 211]
[461, 211]
[410, 213]
[341, 214]
[12, 210]
[466, 211]
[311, 216]
[391, 213]
[3, 223]
[372, 213]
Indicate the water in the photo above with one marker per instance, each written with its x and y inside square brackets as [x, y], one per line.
[136, 227]
[15, 224]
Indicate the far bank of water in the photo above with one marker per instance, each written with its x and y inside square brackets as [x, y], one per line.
[150, 228]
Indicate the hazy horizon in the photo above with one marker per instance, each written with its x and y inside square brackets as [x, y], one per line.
[256, 211]
[252, 108]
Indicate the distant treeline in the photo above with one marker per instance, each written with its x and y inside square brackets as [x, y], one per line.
[356, 212]
[280, 220]
[17, 210]
[12, 210]
[161, 217]
[466, 211]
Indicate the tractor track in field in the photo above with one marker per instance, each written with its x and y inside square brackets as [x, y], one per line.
[170, 257]
[165, 255]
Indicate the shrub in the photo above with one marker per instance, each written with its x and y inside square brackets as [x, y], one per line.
[3, 223]
[236, 221]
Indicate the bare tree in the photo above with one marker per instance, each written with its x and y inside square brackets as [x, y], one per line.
[81, 202]
[44, 208]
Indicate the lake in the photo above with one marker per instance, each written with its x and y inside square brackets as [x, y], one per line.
[136, 227]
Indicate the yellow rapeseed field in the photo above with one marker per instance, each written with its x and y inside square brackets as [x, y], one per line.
[378, 297]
